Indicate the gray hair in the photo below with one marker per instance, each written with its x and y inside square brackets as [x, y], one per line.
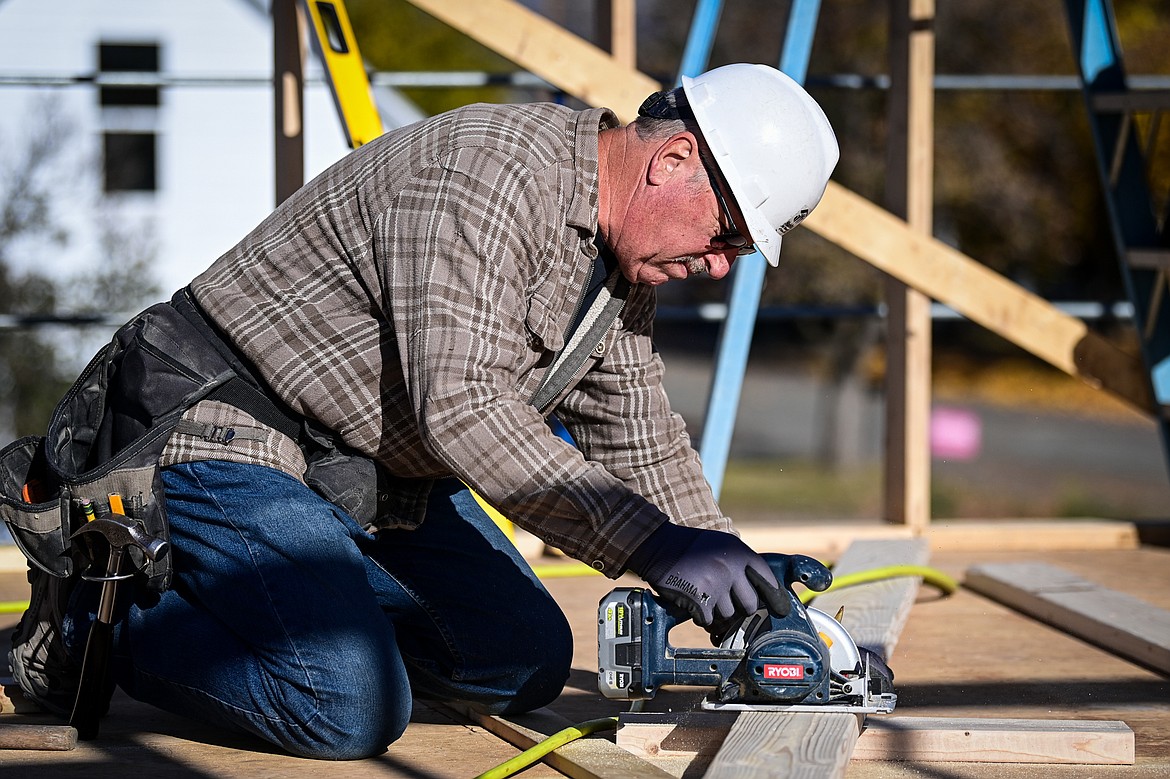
[664, 114]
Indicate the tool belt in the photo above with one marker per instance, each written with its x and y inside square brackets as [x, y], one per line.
[107, 433]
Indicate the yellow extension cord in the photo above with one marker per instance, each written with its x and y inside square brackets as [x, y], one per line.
[931, 576]
[555, 741]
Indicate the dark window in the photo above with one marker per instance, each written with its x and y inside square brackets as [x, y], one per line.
[129, 162]
[128, 58]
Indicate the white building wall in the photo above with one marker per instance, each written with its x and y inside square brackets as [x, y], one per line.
[215, 158]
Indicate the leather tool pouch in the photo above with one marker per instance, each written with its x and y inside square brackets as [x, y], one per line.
[105, 436]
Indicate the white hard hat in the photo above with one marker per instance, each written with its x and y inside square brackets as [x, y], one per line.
[772, 143]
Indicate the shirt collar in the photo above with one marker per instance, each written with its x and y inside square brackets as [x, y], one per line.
[583, 208]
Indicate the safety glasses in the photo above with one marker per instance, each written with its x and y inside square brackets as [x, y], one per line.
[732, 238]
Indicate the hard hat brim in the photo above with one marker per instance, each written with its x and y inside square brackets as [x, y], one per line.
[771, 250]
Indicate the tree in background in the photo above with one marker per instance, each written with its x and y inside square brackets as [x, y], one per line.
[37, 364]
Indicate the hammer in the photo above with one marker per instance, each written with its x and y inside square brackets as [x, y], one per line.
[95, 688]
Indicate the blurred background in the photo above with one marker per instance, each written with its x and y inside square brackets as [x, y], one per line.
[114, 194]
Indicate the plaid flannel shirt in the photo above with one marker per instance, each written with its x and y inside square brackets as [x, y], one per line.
[410, 298]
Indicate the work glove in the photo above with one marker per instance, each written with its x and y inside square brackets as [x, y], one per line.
[713, 576]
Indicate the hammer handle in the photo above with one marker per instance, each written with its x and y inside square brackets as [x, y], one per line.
[93, 694]
[46, 737]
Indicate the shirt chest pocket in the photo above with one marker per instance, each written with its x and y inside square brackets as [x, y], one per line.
[545, 332]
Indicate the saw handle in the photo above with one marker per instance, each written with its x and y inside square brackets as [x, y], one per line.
[793, 568]
[779, 601]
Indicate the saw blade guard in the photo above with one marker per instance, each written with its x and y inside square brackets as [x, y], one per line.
[844, 656]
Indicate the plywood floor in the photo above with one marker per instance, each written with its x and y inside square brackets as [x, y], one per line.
[961, 656]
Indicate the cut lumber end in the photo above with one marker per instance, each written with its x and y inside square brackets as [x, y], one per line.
[699, 736]
[1054, 742]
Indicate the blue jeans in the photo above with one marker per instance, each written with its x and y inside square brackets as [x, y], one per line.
[288, 621]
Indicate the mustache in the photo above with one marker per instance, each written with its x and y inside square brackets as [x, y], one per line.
[695, 265]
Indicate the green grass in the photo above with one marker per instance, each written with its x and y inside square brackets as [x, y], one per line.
[769, 489]
[787, 490]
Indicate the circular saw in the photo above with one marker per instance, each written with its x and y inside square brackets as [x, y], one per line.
[801, 659]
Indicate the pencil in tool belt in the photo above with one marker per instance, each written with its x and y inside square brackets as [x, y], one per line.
[116, 504]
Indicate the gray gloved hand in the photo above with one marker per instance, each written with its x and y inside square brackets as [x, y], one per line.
[713, 576]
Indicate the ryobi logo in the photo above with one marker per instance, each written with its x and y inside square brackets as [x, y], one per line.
[783, 671]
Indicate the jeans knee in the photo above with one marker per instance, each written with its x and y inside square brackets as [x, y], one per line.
[545, 671]
[363, 729]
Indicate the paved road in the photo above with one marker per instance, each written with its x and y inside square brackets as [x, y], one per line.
[783, 414]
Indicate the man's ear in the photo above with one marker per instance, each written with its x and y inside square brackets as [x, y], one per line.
[672, 154]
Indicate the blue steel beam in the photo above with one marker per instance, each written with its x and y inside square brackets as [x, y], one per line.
[1129, 200]
[700, 39]
[747, 283]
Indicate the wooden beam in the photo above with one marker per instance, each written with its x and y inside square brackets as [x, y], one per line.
[1037, 535]
[910, 194]
[970, 740]
[786, 745]
[537, 44]
[693, 739]
[874, 614]
[830, 541]
[288, 91]
[617, 30]
[978, 293]
[1116, 622]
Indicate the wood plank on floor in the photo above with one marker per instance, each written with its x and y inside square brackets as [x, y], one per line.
[1115, 621]
[1020, 535]
[697, 736]
[875, 613]
[786, 745]
[991, 740]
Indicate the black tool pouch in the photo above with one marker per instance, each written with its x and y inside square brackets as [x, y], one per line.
[30, 504]
[106, 436]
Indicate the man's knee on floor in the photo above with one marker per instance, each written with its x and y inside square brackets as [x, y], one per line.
[540, 674]
[364, 730]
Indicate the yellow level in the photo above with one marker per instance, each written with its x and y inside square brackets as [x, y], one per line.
[346, 71]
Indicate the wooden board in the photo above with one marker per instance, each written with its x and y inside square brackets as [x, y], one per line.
[874, 614]
[786, 746]
[970, 740]
[978, 293]
[1117, 622]
[698, 735]
[537, 44]
[831, 540]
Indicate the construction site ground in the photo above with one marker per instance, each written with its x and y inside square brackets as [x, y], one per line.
[960, 656]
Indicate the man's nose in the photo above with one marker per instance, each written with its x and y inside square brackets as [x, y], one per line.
[719, 263]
